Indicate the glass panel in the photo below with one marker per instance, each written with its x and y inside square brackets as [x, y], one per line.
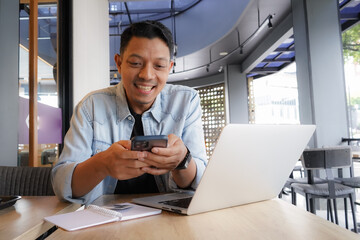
[351, 40]
[276, 98]
[272, 55]
[49, 115]
[287, 55]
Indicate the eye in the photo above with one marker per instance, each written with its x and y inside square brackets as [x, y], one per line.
[134, 63]
[160, 66]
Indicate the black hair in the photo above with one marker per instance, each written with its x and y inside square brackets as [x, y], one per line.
[150, 30]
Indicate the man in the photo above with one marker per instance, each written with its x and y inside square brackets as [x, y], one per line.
[97, 159]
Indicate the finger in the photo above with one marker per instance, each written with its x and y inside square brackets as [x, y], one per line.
[137, 164]
[134, 155]
[160, 161]
[155, 171]
[130, 173]
[125, 144]
[168, 164]
[169, 151]
[172, 138]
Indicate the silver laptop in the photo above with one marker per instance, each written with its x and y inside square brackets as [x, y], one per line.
[250, 163]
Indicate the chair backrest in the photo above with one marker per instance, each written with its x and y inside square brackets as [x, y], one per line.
[327, 158]
[25, 181]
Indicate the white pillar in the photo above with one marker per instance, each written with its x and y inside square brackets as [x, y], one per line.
[90, 47]
[9, 82]
[320, 69]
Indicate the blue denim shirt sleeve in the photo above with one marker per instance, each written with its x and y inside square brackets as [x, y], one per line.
[103, 118]
[177, 110]
[77, 148]
[80, 143]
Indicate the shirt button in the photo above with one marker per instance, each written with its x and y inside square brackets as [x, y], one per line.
[129, 118]
[98, 150]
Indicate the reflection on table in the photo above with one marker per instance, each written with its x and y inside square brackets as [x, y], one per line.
[272, 219]
[24, 220]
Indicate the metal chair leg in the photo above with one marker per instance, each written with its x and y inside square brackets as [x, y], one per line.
[327, 211]
[293, 196]
[346, 214]
[307, 200]
[335, 212]
[311, 204]
[330, 210]
[353, 212]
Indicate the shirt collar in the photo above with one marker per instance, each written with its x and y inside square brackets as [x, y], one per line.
[123, 109]
[121, 103]
[155, 109]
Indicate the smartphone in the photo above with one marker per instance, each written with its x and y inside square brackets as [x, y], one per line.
[146, 143]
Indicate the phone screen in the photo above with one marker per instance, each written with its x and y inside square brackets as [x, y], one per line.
[146, 143]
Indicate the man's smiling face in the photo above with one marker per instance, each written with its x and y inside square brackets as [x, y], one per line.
[144, 67]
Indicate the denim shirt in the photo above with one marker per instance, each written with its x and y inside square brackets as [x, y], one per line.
[103, 117]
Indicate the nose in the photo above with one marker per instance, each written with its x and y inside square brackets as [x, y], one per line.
[147, 72]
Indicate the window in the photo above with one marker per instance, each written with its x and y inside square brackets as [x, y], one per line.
[351, 48]
[273, 99]
[49, 115]
[213, 116]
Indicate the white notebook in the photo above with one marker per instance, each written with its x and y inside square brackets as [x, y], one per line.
[94, 215]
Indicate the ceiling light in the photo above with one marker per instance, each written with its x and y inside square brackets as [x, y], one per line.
[269, 22]
[223, 53]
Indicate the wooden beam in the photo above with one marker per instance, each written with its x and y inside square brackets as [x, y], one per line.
[33, 84]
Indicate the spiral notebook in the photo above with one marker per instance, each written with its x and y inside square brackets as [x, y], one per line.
[94, 215]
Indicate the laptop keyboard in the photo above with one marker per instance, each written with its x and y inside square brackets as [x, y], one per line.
[182, 202]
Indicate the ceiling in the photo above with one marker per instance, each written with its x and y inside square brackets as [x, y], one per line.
[248, 27]
[205, 44]
[285, 53]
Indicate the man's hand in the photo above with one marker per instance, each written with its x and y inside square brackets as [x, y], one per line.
[121, 163]
[164, 160]
[117, 161]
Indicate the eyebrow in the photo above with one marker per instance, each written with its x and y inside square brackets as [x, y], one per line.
[159, 58]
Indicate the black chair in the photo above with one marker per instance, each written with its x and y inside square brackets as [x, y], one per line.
[23, 158]
[302, 180]
[48, 156]
[351, 181]
[327, 159]
[25, 181]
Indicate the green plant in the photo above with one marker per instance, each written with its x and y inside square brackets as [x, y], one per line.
[351, 44]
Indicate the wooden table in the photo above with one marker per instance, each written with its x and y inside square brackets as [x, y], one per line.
[24, 220]
[272, 219]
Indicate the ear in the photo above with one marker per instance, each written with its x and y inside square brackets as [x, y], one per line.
[118, 61]
[171, 65]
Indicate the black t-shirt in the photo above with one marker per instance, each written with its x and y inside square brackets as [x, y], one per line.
[144, 183]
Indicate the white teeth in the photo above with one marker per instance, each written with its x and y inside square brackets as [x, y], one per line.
[145, 88]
